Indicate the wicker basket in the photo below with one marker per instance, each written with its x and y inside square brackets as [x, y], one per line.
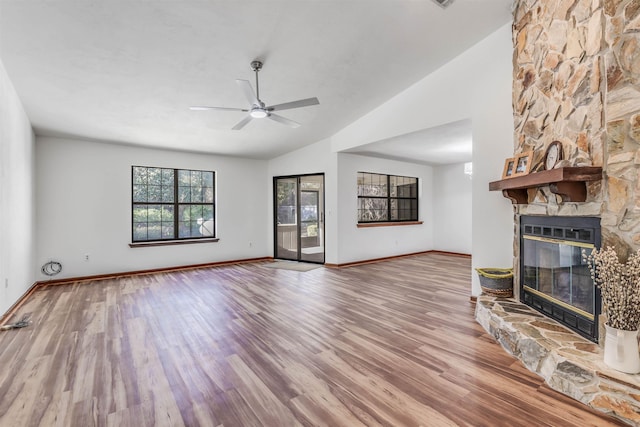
[496, 281]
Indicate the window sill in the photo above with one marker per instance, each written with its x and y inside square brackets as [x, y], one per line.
[172, 242]
[388, 224]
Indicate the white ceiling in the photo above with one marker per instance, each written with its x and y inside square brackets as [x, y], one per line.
[439, 145]
[127, 71]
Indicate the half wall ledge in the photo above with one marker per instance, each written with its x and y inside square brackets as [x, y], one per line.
[570, 183]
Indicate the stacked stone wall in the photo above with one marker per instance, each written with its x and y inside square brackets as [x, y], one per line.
[559, 79]
[576, 79]
[621, 213]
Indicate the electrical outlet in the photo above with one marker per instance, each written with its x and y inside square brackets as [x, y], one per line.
[86, 257]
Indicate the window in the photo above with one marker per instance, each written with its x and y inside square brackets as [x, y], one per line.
[387, 198]
[172, 204]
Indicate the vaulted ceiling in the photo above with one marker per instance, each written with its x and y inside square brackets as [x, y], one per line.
[127, 71]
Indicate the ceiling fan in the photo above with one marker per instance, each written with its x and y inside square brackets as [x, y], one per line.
[258, 109]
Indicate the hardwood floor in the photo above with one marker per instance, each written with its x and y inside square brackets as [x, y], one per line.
[392, 344]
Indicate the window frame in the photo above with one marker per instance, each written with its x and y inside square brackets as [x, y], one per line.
[388, 197]
[175, 205]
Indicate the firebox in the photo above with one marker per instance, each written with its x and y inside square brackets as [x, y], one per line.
[554, 276]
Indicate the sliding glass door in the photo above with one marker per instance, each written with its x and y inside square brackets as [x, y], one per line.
[286, 218]
[299, 217]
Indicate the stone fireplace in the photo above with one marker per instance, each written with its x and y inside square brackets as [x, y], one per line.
[576, 80]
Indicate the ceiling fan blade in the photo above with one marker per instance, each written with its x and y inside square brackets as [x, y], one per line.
[294, 104]
[204, 108]
[242, 123]
[248, 92]
[283, 120]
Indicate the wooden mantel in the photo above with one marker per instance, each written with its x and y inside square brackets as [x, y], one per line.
[570, 183]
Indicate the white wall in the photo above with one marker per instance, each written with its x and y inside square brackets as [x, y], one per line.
[314, 158]
[452, 209]
[475, 85]
[83, 195]
[358, 244]
[84, 207]
[492, 143]
[17, 205]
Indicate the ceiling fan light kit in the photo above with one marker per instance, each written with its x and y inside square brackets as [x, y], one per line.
[258, 109]
[258, 113]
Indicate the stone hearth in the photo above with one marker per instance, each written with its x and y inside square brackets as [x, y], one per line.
[569, 363]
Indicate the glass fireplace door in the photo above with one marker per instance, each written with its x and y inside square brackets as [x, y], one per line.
[556, 270]
[554, 277]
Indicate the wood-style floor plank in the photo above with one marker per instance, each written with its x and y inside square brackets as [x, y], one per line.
[393, 343]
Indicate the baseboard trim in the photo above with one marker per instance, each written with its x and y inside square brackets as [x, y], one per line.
[150, 271]
[388, 258]
[460, 254]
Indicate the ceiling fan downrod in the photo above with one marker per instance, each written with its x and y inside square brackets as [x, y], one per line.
[257, 66]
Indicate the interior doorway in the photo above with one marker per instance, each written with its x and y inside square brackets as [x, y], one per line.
[299, 217]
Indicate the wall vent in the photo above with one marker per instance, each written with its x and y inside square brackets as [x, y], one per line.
[443, 3]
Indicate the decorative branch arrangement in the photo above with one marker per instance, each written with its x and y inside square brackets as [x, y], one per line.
[619, 285]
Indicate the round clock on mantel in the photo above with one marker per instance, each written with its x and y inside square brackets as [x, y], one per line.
[553, 155]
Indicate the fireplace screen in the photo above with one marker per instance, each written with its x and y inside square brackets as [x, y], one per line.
[556, 269]
[554, 277]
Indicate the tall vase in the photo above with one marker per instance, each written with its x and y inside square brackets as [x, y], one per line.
[621, 350]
